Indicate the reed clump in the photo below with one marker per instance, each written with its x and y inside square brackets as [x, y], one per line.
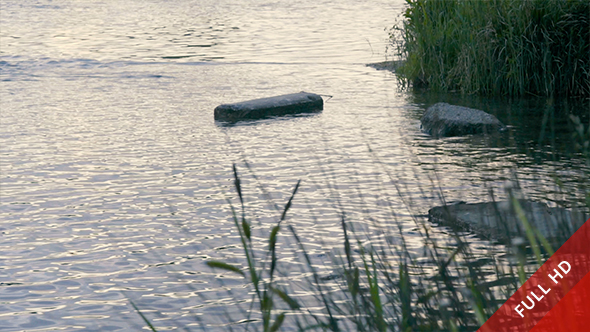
[373, 287]
[496, 47]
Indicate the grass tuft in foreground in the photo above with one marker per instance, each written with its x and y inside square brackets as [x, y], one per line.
[377, 287]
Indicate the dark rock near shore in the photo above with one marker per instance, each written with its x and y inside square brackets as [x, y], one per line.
[386, 65]
[302, 102]
[499, 220]
[443, 120]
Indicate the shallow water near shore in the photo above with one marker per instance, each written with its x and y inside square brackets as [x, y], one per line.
[115, 177]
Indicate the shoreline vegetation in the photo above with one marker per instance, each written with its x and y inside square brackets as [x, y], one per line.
[498, 47]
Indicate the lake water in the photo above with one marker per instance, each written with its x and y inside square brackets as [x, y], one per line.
[115, 177]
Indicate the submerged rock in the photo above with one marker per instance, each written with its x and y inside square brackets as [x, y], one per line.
[386, 65]
[443, 120]
[499, 221]
[302, 102]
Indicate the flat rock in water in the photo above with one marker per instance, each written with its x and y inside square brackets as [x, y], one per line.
[386, 65]
[443, 120]
[302, 102]
[499, 221]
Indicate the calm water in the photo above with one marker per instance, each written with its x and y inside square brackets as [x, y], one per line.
[114, 175]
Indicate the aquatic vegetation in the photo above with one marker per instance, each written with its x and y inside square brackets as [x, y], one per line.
[381, 287]
[500, 47]
[375, 283]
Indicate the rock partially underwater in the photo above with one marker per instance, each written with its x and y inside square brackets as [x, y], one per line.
[295, 103]
[386, 65]
[443, 120]
[499, 221]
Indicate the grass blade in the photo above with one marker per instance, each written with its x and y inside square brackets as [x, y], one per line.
[225, 266]
[143, 317]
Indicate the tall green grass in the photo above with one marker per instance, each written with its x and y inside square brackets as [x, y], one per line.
[498, 47]
[376, 285]
[382, 287]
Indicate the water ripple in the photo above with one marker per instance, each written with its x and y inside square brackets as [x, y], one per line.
[115, 177]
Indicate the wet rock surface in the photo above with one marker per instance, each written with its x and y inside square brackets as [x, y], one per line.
[386, 65]
[295, 103]
[444, 120]
[499, 220]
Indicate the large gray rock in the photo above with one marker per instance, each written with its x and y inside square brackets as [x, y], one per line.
[499, 221]
[443, 120]
[302, 102]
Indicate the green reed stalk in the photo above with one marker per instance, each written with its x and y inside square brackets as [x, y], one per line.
[265, 290]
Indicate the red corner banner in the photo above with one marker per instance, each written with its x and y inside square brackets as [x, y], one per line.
[556, 297]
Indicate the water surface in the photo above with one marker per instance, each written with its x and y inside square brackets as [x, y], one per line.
[114, 175]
